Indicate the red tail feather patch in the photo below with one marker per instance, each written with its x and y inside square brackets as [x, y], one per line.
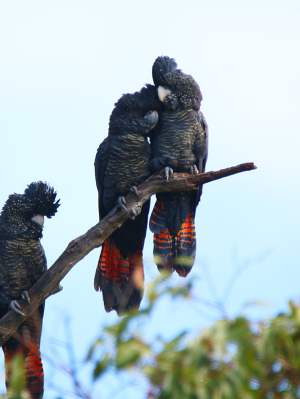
[185, 247]
[111, 263]
[162, 251]
[115, 267]
[32, 363]
[158, 217]
[174, 252]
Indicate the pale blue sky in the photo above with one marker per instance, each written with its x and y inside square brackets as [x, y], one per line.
[63, 64]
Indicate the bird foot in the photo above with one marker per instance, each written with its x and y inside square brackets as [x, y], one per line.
[132, 213]
[122, 203]
[25, 296]
[16, 307]
[135, 191]
[135, 211]
[168, 172]
[194, 170]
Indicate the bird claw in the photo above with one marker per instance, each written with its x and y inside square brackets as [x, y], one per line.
[134, 190]
[16, 307]
[194, 170]
[168, 173]
[122, 203]
[135, 211]
[132, 213]
[25, 296]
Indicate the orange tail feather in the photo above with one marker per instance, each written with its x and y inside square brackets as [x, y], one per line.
[32, 363]
[121, 279]
[185, 246]
[173, 252]
[163, 250]
[34, 372]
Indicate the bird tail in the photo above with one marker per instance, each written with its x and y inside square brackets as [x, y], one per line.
[120, 278]
[185, 246]
[173, 250]
[28, 354]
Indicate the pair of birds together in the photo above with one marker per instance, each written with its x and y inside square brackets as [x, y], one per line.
[167, 113]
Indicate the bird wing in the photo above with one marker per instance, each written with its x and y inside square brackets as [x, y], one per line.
[201, 142]
[101, 162]
[201, 148]
[4, 298]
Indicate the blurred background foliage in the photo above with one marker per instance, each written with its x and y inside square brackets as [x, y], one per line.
[235, 357]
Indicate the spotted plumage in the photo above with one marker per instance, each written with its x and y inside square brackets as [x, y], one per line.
[22, 262]
[123, 161]
[179, 143]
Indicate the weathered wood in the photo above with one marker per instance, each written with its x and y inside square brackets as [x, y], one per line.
[94, 237]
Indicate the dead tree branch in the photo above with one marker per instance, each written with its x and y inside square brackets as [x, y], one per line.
[94, 237]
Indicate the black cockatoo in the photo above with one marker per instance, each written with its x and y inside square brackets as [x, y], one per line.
[179, 143]
[122, 162]
[22, 262]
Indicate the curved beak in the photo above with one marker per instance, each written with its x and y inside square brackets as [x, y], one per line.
[38, 219]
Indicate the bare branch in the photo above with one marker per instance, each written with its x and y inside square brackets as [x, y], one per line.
[94, 237]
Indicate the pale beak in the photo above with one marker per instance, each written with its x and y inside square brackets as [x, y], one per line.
[39, 219]
[162, 93]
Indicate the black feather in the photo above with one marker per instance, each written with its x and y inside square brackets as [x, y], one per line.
[16, 214]
[22, 263]
[42, 198]
[179, 141]
[128, 115]
[161, 67]
[123, 161]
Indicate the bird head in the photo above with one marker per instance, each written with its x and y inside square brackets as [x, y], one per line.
[23, 214]
[175, 89]
[135, 113]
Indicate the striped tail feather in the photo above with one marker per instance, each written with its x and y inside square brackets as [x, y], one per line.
[121, 279]
[158, 220]
[162, 240]
[163, 250]
[34, 372]
[30, 357]
[185, 246]
[173, 251]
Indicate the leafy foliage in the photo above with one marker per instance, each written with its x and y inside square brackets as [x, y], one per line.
[234, 358]
[17, 388]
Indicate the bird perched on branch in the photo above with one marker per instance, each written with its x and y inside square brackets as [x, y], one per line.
[179, 143]
[122, 162]
[22, 262]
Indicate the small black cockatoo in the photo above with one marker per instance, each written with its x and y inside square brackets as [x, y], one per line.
[179, 143]
[22, 262]
[122, 162]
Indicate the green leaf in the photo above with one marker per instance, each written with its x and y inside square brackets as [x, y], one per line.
[101, 366]
[130, 352]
